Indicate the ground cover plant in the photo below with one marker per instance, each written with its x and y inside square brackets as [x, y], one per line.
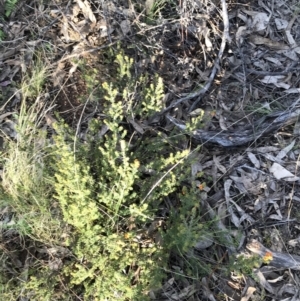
[149, 151]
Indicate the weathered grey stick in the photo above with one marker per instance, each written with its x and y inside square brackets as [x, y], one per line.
[276, 259]
[244, 135]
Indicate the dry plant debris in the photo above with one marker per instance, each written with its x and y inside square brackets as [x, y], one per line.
[236, 64]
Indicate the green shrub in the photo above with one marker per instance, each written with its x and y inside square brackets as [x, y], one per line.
[101, 204]
[99, 197]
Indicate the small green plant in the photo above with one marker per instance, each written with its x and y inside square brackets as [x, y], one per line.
[34, 78]
[185, 223]
[143, 102]
[154, 8]
[10, 6]
[244, 265]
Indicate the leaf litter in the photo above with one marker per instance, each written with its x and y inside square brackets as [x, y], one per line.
[246, 63]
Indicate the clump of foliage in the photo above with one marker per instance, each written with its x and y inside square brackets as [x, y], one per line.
[244, 265]
[96, 199]
[10, 6]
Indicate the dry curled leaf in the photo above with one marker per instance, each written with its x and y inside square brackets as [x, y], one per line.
[258, 40]
[281, 173]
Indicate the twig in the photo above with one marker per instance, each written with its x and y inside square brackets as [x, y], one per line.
[273, 73]
[199, 93]
[225, 38]
[84, 52]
